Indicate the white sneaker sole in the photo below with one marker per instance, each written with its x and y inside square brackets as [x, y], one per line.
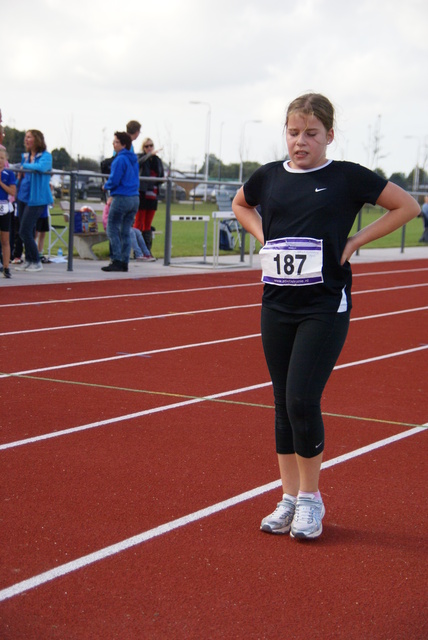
[301, 535]
[267, 528]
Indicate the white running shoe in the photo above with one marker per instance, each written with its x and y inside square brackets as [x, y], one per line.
[307, 521]
[146, 259]
[34, 266]
[279, 521]
[23, 266]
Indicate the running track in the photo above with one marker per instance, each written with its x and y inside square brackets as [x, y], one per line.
[137, 459]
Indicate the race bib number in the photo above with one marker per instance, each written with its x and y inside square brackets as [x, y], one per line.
[292, 261]
[4, 208]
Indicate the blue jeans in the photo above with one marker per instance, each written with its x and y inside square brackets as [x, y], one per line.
[138, 243]
[27, 226]
[120, 220]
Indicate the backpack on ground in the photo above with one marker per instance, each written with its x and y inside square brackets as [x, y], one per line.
[227, 239]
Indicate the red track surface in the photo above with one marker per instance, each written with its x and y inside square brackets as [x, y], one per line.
[145, 448]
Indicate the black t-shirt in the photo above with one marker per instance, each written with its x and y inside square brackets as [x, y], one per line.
[321, 203]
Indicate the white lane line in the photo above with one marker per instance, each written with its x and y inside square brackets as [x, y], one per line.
[389, 272]
[133, 295]
[138, 354]
[137, 319]
[385, 356]
[397, 288]
[131, 416]
[178, 405]
[163, 316]
[124, 545]
[129, 355]
[193, 290]
[390, 313]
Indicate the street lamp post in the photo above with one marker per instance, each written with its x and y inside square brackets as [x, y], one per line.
[219, 152]
[207, 141]
[241, 166]
[416, 171]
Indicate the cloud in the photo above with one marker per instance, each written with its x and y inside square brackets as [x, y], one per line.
[81, 70]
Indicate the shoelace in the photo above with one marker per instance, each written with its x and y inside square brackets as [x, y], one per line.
[306, 512]
[282, 508]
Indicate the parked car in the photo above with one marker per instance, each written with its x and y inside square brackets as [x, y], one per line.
[55, 182]
[178, 193]
[230, 189]
[93, 188]
[198, 193]
[87, 186]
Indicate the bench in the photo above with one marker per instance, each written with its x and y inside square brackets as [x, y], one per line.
[83, 242]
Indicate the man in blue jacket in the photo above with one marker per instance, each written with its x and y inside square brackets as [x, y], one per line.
[123, 184]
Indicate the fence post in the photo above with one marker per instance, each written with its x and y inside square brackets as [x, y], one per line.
[403, 238]
[168, 224]
[71, 221]
[360, 215]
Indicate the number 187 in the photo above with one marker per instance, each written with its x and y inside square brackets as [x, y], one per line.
[290, 262]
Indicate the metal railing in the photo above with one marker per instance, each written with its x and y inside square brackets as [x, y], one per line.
[168, 180]
[74, 176]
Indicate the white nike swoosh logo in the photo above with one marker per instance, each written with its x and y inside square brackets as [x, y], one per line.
[323, 189]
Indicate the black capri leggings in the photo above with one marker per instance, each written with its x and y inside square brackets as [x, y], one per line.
[301, 351]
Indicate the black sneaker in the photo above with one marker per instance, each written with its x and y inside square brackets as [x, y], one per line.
[6, 272]
[114, 266]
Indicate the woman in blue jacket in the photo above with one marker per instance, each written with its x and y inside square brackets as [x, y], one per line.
[123, 184]
[38, 195]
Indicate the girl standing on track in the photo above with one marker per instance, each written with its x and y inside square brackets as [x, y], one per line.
[308, 206]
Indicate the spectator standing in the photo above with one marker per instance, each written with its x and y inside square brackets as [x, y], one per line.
[37, 161]
[42, 227]
[7, 189]
[133, 129]
[424, 214]
[123, 183]
[1, 137]
[150, 166]
[6, 165]
[139, 247]
[23, 195]
[14, 227]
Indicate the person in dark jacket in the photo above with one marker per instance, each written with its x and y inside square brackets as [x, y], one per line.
[123, 185]
[150, 166]
[424, 216]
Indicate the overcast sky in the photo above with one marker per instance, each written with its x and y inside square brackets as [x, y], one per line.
[78, 71]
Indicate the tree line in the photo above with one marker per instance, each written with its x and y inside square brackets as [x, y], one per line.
[62, 160]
